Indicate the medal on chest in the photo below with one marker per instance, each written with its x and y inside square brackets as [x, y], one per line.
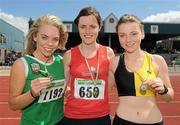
[143, 88]
[143, 76]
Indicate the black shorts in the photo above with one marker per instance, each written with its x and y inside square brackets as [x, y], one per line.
[60, 122]
[92, 121]
[119, 121]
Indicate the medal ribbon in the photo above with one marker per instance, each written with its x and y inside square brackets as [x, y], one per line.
[148, 71]
[46, 73]
[89, 69]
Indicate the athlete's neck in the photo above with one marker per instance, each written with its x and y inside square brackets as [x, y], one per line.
[43, 58]
[134, 61]
[90, 50]
[134, 56]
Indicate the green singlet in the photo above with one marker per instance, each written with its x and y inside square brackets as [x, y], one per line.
[48, 108]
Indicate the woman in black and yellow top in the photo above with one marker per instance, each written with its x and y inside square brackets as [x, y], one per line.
[139, 77]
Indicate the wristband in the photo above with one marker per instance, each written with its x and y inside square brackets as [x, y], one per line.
[32, 94]
[165, 91]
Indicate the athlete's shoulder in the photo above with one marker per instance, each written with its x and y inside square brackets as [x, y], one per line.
[110, 53]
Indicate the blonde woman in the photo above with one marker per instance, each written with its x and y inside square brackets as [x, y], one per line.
[37, 79]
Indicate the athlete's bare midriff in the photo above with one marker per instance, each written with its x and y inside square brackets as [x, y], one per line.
[138, 109]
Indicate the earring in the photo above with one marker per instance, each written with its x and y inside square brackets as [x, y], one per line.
[34, 43]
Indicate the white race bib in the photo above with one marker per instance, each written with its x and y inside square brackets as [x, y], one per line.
[86, 89]
[53, 92]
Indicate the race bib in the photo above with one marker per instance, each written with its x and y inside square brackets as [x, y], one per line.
[53, 92]
[86, 89]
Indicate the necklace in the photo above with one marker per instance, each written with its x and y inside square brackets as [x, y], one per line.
[89, 69]
[143, 86]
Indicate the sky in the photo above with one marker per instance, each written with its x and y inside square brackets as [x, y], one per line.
[18, 12]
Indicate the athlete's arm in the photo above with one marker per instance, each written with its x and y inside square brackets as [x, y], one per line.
[67, 59]
[111, 57]
[163, 77]
[17, 100]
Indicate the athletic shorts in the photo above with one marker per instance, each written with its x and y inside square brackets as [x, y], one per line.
[92, 121]
[119, 121]
[60, 122]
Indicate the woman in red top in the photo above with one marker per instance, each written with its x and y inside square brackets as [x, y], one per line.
[86, 73]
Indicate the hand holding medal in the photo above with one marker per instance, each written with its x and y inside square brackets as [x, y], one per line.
[37, 85]
[157, 85]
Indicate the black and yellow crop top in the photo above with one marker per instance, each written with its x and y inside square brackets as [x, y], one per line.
[128, 83]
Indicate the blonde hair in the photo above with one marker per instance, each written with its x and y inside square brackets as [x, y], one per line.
[50, 20]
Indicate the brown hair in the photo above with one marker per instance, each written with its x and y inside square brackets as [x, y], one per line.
[86, 12]
[129, 19]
